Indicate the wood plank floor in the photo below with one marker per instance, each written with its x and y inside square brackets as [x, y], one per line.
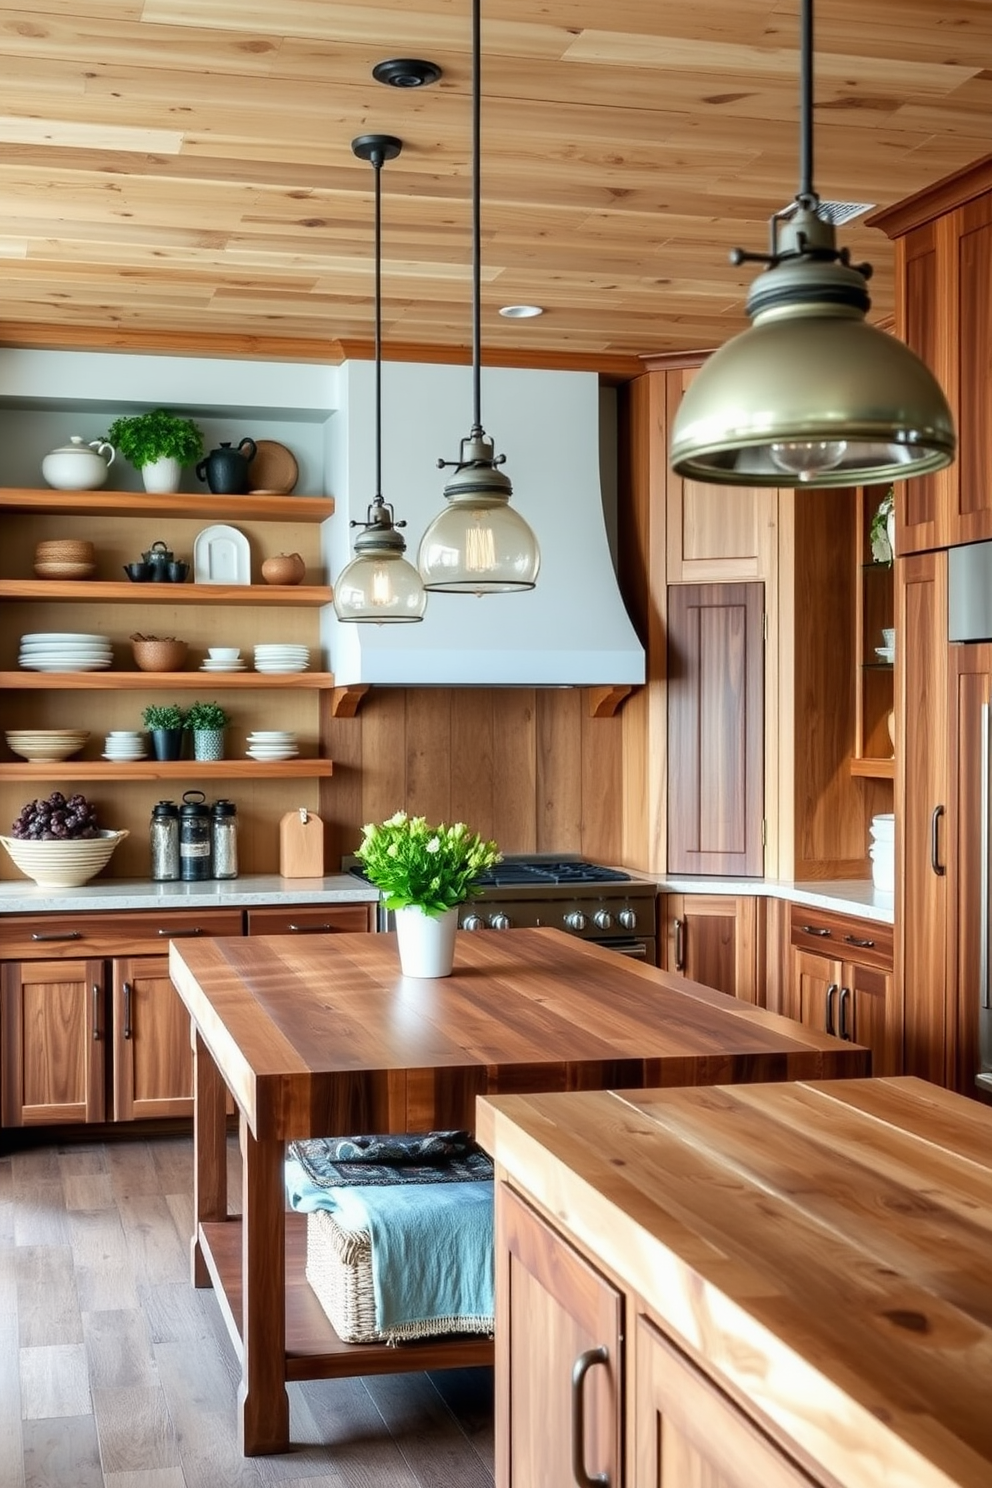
[116, 1373]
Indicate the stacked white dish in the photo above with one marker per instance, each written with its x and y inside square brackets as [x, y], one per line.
[223, 659]
[272, 744]
[281, 658]
[124, 744]
[883, 851]
[65, 651]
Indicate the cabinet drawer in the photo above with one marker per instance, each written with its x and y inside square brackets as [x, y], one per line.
[865, 942]
[314, 919]
[27, 937]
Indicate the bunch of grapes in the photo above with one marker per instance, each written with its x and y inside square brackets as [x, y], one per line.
[57, 819]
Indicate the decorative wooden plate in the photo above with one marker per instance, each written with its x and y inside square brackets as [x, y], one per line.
[273, 470]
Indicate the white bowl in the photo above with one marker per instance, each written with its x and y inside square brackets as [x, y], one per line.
[223, 653]
[63, 864]
[271, 736]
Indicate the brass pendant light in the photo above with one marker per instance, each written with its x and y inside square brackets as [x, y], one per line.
[379, 586]
[811, 393]
[479, 544]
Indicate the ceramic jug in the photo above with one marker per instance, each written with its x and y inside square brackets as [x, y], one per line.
[78, 466]
[225, 470]
[284, 568]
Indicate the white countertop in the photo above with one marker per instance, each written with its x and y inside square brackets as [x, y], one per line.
[232, 893]
[857, 896]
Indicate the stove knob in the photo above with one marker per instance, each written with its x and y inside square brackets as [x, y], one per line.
[473, 922]
[576, 920]
[500, 921]
[603, 920]
[628, 919]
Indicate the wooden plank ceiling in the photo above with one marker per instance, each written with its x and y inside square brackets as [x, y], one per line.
[176, 169]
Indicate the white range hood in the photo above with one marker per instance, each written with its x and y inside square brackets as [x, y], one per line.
[572, 629]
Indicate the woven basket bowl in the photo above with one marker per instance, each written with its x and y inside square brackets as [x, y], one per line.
[63, 568]
[63, 865]
[65, 550]
[159, 656]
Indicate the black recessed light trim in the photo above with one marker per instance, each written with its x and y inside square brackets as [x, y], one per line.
[406, 72]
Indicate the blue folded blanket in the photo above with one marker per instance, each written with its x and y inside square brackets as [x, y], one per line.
[432, 1248]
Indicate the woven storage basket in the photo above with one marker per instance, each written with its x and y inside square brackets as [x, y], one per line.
[339, 1268]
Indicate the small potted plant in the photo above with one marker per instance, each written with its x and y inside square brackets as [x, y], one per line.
[882, 532]
[158, 444]
[164, 721]
[207, 722]
[424, 872]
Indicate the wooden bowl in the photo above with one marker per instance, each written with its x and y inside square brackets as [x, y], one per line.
[62, 568]
[159, 656]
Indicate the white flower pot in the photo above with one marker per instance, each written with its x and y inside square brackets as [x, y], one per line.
[162, 476]
[426, 942]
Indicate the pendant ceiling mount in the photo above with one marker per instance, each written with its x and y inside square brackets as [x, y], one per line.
[406, 72]
[811, 394]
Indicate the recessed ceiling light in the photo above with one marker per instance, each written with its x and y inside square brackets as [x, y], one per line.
[521, 312]
[406, 72]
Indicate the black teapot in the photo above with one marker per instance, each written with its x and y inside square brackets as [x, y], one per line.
[157, 560]
[225, 470]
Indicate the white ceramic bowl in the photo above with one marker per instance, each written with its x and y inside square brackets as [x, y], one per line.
[223, 653]
[63, 865]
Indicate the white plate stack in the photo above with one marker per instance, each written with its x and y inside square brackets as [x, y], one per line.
[272, 744]
[65, 651]
[282, 658]
[124, 744]
[883, 852]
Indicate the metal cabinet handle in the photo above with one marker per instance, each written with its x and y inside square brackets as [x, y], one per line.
[580, 1369]
[127, 1010]
[843, 1004]
[308, 929]
[814, 930]
[680, 945]
[828, 1011]
[179, 934]
[935, 862]
[56, 935]
[96, 1010]
[856, 940]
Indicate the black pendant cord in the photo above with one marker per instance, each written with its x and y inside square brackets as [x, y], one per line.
[807, 196]
[377, 167]
[476, 216]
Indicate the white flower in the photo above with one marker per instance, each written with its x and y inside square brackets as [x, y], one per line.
[434, 845]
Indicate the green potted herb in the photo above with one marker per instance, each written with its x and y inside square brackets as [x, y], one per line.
[158, 444]
[164, 721]
[207, 722]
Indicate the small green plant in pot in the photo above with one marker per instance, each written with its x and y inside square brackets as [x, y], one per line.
[207, 722]
[159, 444]
[164, 721]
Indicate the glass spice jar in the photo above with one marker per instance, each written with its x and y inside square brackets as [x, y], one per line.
[163, 838]
[224, 832]
[194, 838]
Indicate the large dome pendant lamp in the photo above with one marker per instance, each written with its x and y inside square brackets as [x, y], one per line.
[379, 586]
[479, 544]
[811, 393]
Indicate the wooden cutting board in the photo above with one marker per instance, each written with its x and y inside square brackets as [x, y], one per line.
[301, 845]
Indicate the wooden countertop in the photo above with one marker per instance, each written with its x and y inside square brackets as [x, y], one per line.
[824, 1249]
[286, 1017]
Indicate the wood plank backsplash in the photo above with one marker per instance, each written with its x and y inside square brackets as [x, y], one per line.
[527, 766]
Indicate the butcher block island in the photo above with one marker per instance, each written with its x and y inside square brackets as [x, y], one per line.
[324, 1037]
[757, 1286]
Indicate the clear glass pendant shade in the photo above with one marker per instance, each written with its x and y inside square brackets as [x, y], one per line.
[382, 588]
[479, 550]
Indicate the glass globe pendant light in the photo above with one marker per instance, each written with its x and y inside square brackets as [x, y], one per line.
[379, 586]
[811, 393]
[479, 544]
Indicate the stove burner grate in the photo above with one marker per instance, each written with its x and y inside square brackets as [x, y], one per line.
[510, 873]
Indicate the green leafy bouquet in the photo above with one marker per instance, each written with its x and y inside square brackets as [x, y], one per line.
[411, 862]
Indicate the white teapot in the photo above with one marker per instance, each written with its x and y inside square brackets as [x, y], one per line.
[78, 466]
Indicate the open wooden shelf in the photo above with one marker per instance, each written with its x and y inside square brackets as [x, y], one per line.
[142, 504]
[874, 769]
[150, 769]
[123, 591]
[110, 681]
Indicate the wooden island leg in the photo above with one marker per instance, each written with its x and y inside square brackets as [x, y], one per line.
[262, 1400]
[209, 1151]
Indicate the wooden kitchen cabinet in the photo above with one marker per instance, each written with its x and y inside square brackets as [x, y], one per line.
[841, 982]
[714, 939]
[548, 1291]
[54, 1034]
[152, 1056]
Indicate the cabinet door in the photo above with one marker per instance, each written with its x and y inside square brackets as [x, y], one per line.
[924, 311]
[54, 1038]
[553, 1307]
[153, 1064]
[324, 919]
[712, 938]
[716, 729]
[688, 1434]
[816, 984]
[863, 1014]
[923, 796]
[970, 692]
[970, 275]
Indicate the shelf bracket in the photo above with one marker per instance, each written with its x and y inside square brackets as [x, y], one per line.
[605, 702]
[345, 701]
